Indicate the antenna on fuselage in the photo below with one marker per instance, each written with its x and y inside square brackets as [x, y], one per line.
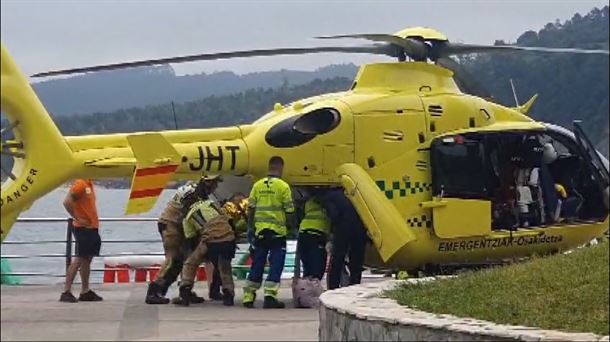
[512, 85]
[174, 112]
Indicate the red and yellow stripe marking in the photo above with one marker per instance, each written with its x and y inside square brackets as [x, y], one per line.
[150, 182]
[147, 185]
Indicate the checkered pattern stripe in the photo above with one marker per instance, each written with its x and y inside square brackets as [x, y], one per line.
[420, 221]
[403, 188]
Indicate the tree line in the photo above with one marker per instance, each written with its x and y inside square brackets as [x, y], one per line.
[570, 87]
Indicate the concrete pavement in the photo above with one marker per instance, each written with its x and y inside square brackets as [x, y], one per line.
[34, 313]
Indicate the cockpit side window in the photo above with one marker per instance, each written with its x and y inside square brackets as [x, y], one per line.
[298, 130]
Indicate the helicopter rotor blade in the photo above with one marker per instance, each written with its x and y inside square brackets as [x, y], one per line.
[415, 49]
[394, 46]
[370, 49]
[458, 49]
[465, 80]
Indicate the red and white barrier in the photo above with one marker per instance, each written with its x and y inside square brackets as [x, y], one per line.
[144, 267]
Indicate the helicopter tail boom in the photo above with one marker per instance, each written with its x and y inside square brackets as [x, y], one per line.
[41, 159]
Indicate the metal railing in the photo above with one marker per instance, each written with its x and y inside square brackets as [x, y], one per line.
[69, 243]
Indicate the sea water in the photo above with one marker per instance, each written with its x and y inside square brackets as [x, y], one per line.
[110, 203]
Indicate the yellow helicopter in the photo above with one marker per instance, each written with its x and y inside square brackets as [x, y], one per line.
[437, 175]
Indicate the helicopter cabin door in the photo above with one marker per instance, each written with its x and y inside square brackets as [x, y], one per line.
[599, 168]
[460, 207]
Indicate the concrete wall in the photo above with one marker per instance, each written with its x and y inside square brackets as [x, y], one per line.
[358, 313]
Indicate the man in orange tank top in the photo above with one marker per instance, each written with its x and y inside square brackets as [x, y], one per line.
[80, 203]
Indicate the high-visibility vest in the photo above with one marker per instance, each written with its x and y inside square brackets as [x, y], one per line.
[198, 215]
[271, 199]
[315, 219]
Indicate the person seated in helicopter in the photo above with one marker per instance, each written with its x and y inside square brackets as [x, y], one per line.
[568, 206]
[548, 186]
[528, 160]
[502, 185]
[561, 200]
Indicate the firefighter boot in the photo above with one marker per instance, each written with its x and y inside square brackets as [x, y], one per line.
[215, 294]
[153, 295]
[227, 298]
[185, 294]
[196, 299]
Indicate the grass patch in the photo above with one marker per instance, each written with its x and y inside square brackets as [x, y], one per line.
[560, 292]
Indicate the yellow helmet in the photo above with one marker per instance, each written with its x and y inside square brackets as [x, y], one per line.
[230, 209]
[244, 204]
[234, 210]
[561, 190]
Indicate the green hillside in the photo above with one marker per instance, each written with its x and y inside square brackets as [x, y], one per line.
[146, 86]
[570, 86]
[214, 111]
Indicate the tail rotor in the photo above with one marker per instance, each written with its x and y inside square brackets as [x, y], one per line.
[35, 156]
[10, 150]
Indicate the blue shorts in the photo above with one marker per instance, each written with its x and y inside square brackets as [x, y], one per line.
[88, 242]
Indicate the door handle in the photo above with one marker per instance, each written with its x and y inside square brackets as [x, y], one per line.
[434, 204]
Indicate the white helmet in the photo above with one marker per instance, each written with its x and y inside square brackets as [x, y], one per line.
[550, 153]
[183, 192]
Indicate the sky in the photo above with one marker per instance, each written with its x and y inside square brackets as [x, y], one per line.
[51, 34]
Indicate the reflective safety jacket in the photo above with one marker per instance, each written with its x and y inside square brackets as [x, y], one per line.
[271, 200]
[172, 213]
[315, 220]
[205, 219]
